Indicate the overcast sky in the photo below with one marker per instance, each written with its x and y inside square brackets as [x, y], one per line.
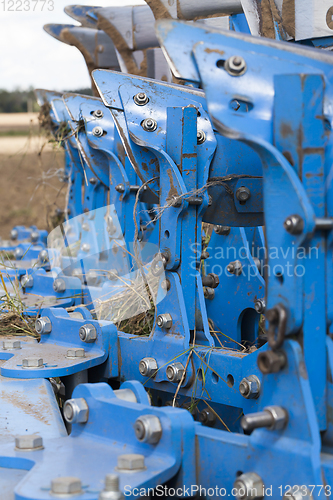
[31, 57]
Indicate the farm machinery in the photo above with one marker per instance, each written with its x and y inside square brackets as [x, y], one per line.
[184, 306]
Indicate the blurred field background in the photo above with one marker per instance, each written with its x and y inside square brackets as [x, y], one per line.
[30, 190]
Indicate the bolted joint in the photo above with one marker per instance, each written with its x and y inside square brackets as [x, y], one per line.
[294, 224]
[43, 256]
[97, 131]
[207, 417]
[148, 367]
[243, 194]
[235, 268]
[85, 247]
[250, 387]
[222, 230]
[164, 321]
[66, 486]
[59, 285]
[111, 489]
[159, 263]
[76, 411]
[201, 137]
[14, 234]
[274, 418]
[43, 325]
[148, 429]
[120, 188]
[131, 462]
[18, 253]
[249, 486]
[98, 113]
[29, 442]
[141, 99]
[88, 333]
[34, 236]
[211, 280]
[32, 363]
[8, 345]
[75, 352]
[271, 361]
[149, 125]
[235, 66]
[27, 281]
[260, 306]
[174, 372]
[209, 293]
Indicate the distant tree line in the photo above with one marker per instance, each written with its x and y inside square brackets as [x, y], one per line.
[22, 101]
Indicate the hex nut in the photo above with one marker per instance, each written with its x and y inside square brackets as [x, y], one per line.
[174, 372]
[164, 321]
[148, 367]
[14, 234]
[280, 417]
[148, 429]
[131, 462]
[97, 131]
[249, 486]
[88, 333]
[7, 345]
[43, 325]
[222, 230]
[260, 306]
[85, 247]
[27, 281]
[235, 268]
[32, 363]
[207, 417]
[76, 411]
[76, 352]
[141, 99]
[149, 125]
[243, 194]
[34, 236]
[18, 253]
[43, 256]
[235, 65]
[29, 442]
[271, 361]
[59, 285]
[249, 387]
[66, 486]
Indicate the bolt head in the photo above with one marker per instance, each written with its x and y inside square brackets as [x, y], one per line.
[243, 194]
[148, 367]
[43, 325]
[66, 486]
[27, 281]
[131, 462]
[29, 442]
[34, 236]
[209, 293]
[207, 417]
[174, 372]
[201, 137]
[76, 352]
[294, 224]
[18, 253]
[120, 188]
[164, 321]
[271, 361]
[148, 429]
[141, 99]
[249, 486]
[235, 66]
[98, 113]
[14, 234]
[280, 416]
[32, 363]
[222, 230]
[59, 285]
[235, 268]
[43, 256]
[97, 131]
[149, 125]
[8, 345]
[85, 247]
[88, 333]
[260, 306]
[250, 387]
[76, 411]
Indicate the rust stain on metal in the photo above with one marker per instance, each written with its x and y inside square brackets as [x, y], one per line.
[214, 51]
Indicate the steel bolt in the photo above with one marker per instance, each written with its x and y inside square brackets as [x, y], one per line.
[27, 281]
[14, 234]
[260, 306]
[235, 65]
[120, 188]
[8, 345]
[111, 489]
[207, 417]
[131, 462]
[249, 486]
[271, 361]
[175, 371]
[59, 285]
[85, 226]
[209, 293]
[211, 280]
[93, 181]
[29, 442]
[201, 137]
[32, 363]
[43, 325]
[235, 268]
[222, 230]
[98, 113]
[164, 321]
[250, 387]
[294, 224]
[97, 131]
[243, 194]
[141, 99]
[148, 367]
[66, 486]
[111, 228]
[149, 125]
[148, 429]
[34, 236]
[76, 352]
[43, 256]
[273, 417]
[85, 247]
[76, 411]
[18, 253]
[88, 333]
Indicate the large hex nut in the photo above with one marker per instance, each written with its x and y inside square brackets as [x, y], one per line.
[27, 281]
[88, 333]
[43, 325]
[59, 285]
[66, 486]
[76, 411]
[249, 486]
[148, 367]
[7, 345]
[280, 417]
[76, 352]
[175, 371]
[32, 363]
[250, 387]
[131, 462]
[148, 429]
[271, 361]
[29, 442]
